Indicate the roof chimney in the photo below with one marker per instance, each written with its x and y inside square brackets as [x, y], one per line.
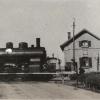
[69, 35]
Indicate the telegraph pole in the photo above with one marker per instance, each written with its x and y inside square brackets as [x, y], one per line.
[74, 41]
[74, 62]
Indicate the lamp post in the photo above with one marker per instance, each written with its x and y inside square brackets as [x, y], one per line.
[59, 62]
[98, 63]
[61, 72]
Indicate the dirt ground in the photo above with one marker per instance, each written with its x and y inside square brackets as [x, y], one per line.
[43, 91]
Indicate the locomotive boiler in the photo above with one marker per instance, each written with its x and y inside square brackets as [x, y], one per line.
[23, 62]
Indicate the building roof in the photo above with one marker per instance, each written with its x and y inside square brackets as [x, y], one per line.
[84, 31]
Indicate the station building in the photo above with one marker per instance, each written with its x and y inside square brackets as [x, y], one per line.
[87, 51]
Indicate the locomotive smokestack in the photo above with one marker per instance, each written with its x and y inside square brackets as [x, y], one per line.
[37, 42]
[69, 35]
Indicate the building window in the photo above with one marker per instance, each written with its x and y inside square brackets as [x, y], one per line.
[86, 62]
[85, 43]
[68, 66]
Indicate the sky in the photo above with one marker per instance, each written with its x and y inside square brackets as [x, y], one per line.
[24, 20]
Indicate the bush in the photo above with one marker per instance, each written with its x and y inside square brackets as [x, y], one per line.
[73, 77]
[91, 80]
[82, 78]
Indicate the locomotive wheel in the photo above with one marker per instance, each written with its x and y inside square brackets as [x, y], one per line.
[8, 76]
[41, 77]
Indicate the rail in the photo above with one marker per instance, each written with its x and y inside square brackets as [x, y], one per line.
[60, 74]
[41, 73]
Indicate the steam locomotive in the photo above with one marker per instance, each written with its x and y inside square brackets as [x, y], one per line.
[25, 63]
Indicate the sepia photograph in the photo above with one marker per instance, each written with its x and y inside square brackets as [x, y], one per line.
[49, 50]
